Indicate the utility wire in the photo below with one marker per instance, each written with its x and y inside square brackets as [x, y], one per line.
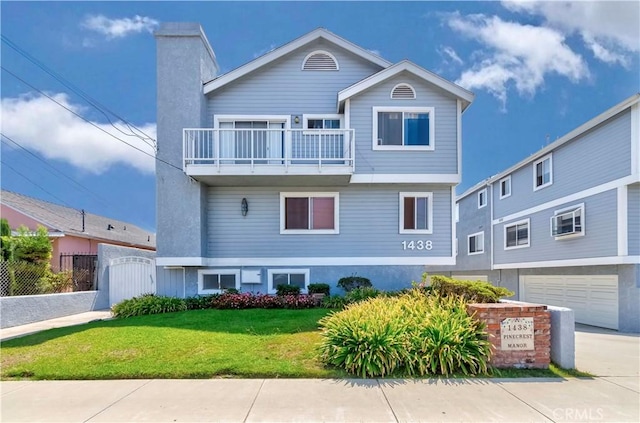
[59, 172]
[86, 120]
[36, 184]
[93, 102]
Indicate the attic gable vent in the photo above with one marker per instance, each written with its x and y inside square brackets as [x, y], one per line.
[403, 92]
[320, 61]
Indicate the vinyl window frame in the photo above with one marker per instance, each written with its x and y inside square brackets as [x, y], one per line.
[481, 244]
[548, 157]
[219, 272]
[429, 197]
[564, 211]
[482, 194]
[507, 182]
[326, 116]
[270, 272]
[516, 224]
[399, 109]
[336, 213]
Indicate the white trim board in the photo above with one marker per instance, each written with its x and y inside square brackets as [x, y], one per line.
[331, 261]
[288, 48]
[405, 178]
[594, 261]
[568, 199]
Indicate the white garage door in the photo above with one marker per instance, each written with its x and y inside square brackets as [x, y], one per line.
[594, 299]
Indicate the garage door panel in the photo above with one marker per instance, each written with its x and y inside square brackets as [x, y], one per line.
[594, 299]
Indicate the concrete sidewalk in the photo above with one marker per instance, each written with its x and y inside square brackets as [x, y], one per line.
[311, 400]
[73, 320]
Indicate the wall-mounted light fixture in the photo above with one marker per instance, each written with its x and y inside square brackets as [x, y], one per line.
[244, 207]
[296, 119]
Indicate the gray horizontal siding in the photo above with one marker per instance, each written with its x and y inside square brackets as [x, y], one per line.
[473, 220]
[599, 156]
[283, 88]
[633, 216]
[443, 160]
[600, 240]
[368, 224]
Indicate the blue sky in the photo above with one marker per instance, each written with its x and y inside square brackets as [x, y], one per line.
[538, 69]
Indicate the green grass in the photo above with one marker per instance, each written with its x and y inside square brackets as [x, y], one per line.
[192, 344]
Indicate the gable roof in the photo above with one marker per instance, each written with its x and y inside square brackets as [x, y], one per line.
[587, 126]
[405, 65]
[288, 48]
[68, 221]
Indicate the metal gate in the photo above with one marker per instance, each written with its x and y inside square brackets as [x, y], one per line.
[131, 277]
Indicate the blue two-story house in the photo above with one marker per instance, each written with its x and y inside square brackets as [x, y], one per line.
[562, 227]
[315, 161]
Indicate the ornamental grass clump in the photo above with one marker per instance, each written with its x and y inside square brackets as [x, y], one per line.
[408, 335]
[471, 291]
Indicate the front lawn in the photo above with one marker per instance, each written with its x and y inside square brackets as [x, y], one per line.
[191, 344]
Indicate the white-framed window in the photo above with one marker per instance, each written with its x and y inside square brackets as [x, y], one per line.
[505, 187]
[309, 212]
[568, 222]
[215, 281]
[516, 235]
[457, 212]
[542, 172]
[297, 277]
[416, 212]
[475, 243]
[482, 198]
[403, 128]
[326, 121]
[403, 91]
[320, 60]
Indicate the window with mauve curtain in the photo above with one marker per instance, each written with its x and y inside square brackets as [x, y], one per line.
[323, 213]
[409, 212]
[296, 213]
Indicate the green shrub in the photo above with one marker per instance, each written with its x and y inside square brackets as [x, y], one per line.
[471, 291]
[199, 302]
[408, 335]
[334, 302]
[54, 283]
[287, 290]
[361, 294]
[319, 288]
[147, 304]
[231, 291]
[350, 283]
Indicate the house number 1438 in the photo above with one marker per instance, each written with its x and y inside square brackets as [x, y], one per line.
[417, 245]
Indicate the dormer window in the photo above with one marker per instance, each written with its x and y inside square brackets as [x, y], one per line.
[320, 60]
[403, 92]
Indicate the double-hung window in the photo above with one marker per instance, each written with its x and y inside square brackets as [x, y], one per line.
[542, 172]
[309, 213]
[416, 210]
[569, 221]
[516, 235]
[398, 128]
[213, 281]
[296, 277]
[475, 243]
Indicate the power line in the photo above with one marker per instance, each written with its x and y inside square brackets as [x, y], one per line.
[59, 172]
[36, 184]
[93, 102]
[86, 120]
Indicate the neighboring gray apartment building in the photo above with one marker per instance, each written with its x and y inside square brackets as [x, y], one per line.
[562, 227]
[315, 161]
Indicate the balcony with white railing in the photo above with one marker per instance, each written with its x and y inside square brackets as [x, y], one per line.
[211, 154]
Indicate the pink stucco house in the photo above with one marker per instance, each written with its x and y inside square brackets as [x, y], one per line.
[72, 231]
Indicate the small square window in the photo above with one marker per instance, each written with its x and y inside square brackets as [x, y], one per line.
[568, 222]
[505, 187]
[295, 277]
[397, 128]
[542, 172]
[482, 198]
[416, 212]
[475, 243]
[213, 281]
[516, 235]
[313, 212]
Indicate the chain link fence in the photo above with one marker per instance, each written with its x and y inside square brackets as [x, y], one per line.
[25, 278]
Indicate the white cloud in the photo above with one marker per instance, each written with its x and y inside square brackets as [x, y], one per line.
[39, 124]
[610, 29]
[451, 53]
[119, 28]
[515, 55]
